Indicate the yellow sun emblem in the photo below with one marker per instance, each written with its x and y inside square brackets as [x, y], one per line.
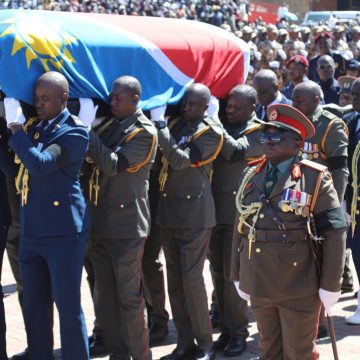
[43, 41]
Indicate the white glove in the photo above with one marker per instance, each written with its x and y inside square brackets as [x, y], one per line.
[213, 108]
[329, 299]
[13, 112]
[158, 114]
[242, 294]
[87, 113]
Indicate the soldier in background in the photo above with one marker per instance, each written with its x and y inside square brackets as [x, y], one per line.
[339, 44]
[186, 214]
[354, 44]
[240, 120]
[345, 83]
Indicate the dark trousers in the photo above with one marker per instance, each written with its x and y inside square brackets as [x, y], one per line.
[118, 300]
[354, 244]
[91, 281]
[153, 278]
[3, 355]
[185, 252]
[51, 271]
[12, 250]
[287, 328]
[233, 309]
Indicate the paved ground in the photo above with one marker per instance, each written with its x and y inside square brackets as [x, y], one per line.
[348, 336]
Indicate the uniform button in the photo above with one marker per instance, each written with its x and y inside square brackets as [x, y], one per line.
[188, 197]
[358, 197]
[261, 216]
[122, 205]
[164, 194]
[258, 250]
[295, 263]
[56, 203]
[234, 192]
[357, 212]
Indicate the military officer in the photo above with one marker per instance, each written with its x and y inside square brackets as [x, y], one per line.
[186, 214]
[121, 153]
[240, 120]
[274, 266]
[329, 145]
[323, 42]
[54, 221]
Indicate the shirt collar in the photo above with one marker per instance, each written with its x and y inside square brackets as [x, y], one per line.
[49, 122]
[283, 166]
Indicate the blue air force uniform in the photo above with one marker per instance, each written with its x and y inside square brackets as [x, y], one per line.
[54, 225]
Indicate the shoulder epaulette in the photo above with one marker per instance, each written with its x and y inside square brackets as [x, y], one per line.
[254, 127]
[313, 165]
[329, 115]
[215, 125]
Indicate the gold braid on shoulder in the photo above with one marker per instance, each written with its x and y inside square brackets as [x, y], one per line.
[246, 210]
[23, 174]
[355, 186]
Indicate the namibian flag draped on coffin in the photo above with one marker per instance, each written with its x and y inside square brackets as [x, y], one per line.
[92, 50]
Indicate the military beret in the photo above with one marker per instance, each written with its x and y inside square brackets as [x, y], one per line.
[345, 83]
[298, 59]
[288, 118]
[322, 35]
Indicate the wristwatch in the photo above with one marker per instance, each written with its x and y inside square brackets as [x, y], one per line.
[161, 124]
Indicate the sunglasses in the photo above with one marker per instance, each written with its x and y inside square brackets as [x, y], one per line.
[274, 138]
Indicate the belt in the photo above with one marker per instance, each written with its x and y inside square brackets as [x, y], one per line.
[278, 235]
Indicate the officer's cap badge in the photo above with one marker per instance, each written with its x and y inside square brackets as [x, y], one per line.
[273, 115]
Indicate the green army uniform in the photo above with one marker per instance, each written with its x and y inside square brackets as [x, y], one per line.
[329, 147]
[228, 168]
[121, 154]
[186, 214]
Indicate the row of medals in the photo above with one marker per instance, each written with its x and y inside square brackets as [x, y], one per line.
[295, 201]
[310, 151]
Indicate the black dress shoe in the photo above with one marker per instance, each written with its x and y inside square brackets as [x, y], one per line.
[22, 356]
[157, 333]
[97, 347]
[221, 342]
[235, 347]
[205, 355]
[181, 354]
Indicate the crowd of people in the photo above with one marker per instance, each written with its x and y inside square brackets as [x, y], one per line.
[108, 193]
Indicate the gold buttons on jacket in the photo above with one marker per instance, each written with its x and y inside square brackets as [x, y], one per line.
[357, 212]
[261, 216]
[164, 194]
[258, 250]
[188, 197]
[56, 203]
[358, 197]
[234, 192]
[295, 263]
[122, 205]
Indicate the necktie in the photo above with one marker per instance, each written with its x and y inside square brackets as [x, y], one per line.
[271, 179]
